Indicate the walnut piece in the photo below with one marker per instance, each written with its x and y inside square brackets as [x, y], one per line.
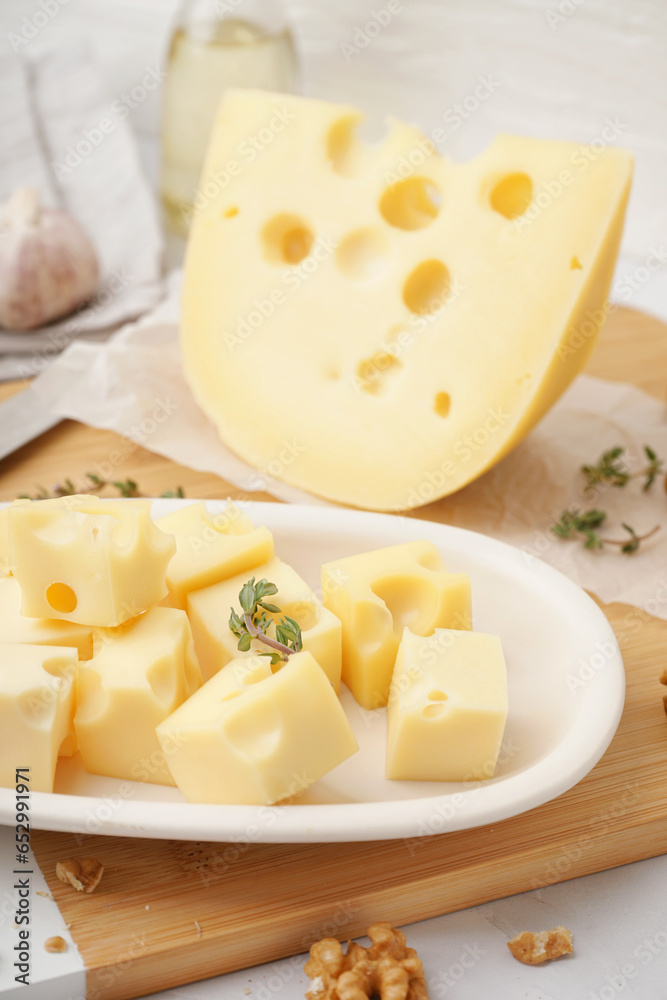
[387, 969]
[83, 873]
[55, 944]
[533, 949]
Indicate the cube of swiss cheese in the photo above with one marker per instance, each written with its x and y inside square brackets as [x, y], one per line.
[447, 707]
[376, 594]
[211, 547]
[139, 673]
[216, 644]
[36, 709]
[14, 627]
[253, 736]
[86, 560]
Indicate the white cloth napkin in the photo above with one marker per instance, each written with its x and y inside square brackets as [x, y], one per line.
[134, 385]
[52, 101]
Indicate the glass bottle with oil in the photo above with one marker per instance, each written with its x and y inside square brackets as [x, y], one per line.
[215, 44]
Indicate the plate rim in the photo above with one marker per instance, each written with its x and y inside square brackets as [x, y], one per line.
[350, 821]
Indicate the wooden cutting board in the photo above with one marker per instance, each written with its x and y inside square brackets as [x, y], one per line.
[169, 912]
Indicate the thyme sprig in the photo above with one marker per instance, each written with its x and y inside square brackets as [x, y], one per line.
[610, 469]
[95, 483]
[585, 525]
[255, 621]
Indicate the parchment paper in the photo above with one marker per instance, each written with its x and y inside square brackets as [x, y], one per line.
[134, 386]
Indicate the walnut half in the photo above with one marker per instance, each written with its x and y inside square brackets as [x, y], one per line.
[55, 945]
[83, 873]
[387, 969]
[533, 949]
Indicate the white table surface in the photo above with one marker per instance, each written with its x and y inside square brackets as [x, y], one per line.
[562, 68]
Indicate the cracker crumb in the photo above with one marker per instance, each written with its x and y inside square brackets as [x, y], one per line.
[198, 926]
[534, 948]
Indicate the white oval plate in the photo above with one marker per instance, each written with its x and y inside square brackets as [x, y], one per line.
[566, 692]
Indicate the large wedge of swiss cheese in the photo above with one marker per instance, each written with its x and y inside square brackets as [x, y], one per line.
[377, 324]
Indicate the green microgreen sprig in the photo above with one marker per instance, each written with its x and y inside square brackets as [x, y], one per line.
[255, 621]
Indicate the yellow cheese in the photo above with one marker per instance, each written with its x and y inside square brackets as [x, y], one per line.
[139, 673]
[390, 323]
[89, 561]
[5, 565]
[253, 736]
[38, 631]
[211, 547]
[36, 708]
[376, 594]
[216, 644]
[447, 707]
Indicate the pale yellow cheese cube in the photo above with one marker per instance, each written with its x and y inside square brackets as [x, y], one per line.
[36, 709]
[86, 560]
[253, 736]
[216, 644]
[210, 548]
[14, 627]
[376, 594]
[139, 673]
[447, 707]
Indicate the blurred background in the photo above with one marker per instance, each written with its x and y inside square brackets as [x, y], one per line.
[583, 70]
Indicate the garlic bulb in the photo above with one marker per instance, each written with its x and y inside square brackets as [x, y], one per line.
[48, 266]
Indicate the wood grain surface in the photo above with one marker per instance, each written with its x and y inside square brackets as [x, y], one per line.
[170, 912]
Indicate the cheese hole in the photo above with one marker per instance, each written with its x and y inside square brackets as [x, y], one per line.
[59, 667]
[343, 150]
[230, 212]
[431, 560]
[410, 204]
[427, 288]
[286, 239]
[371, 625]
[61, 598]
[411, 601]
[442, 404]
[375, 374]
[163, 682]
[433, 711]
[253, 676]
[575, 264]
[436, 695]
[305, 613]
[364, 255]
[255, 734]
[512, 195]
